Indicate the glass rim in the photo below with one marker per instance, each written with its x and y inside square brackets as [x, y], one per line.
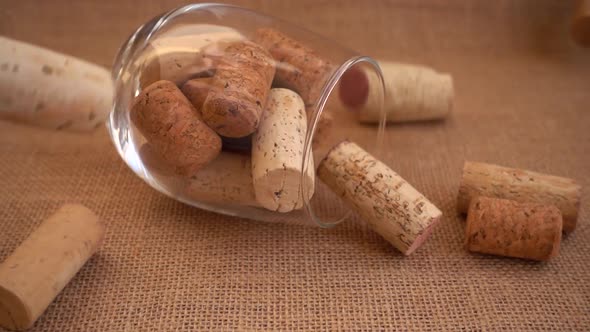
[318, 107]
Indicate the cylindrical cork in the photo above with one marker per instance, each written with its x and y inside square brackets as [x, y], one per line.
[239, 91]
[227, 180]
[581, 24]
[36, 272]
[508, 228]
[45, 88]
[277, 154]
[480, 179]
[299, 68]
[174, 128]
[412, 93]
[390, 205]
[197, 90]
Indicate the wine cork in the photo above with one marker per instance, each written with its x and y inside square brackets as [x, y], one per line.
[174, 128]
[299, 68]
[196, 91]
[36, 272]
[45, 88]
[277, 153]
[227, 180]
[580, 28]
[508, 228]
[239, 91]
[181, 58]
[412, 93]
[480, 179]
[390, 205]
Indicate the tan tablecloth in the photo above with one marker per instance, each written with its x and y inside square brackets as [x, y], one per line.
[522, 100]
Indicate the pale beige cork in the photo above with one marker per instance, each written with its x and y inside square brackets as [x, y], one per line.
[53, 90]
[277, 154]
[36, 272]
[481, 179]
[389, 204]
[508, 228]
[412, 93]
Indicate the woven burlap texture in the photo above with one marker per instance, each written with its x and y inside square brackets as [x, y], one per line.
[522, 96]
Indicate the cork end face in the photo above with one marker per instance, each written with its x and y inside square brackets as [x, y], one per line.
[570, 219]
[424, 236]
[14, 315]
[449, 86]
[91, 221]
[230, 116]
[558, 233]
[278, 190]
[555, 252]
[354, 88]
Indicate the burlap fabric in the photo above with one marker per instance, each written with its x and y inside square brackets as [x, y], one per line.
[522, 96]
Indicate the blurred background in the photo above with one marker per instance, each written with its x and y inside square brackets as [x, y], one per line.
[422, 31]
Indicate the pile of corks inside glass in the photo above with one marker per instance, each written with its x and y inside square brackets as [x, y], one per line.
[256, 97]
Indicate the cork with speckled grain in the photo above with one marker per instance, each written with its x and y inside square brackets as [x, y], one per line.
[509, 228]
[239, 90]
[174, 128]
[481, 179]
[299, 67]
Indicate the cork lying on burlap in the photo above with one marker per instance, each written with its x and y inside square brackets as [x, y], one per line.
[508, 228]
